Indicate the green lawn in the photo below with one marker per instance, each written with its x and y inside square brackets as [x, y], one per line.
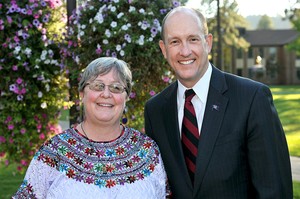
[10, 180]
[286, 100]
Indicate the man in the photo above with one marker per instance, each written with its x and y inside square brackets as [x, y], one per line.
[241, 150]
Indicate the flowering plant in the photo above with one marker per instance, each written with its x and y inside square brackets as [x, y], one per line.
[129, 30]
[33, 86]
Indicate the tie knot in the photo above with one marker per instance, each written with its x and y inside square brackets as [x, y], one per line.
[189, 94]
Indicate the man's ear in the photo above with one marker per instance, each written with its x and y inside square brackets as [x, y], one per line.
[209, 42]
[162, 48]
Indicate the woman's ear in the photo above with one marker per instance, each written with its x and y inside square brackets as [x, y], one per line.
[81, 95]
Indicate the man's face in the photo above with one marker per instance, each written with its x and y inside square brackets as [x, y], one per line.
[185, 47]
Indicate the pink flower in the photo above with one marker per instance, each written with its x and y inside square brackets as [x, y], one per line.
[166, 79]
[19, 80]
[39, 126]
[19, 168]
[8, 119]
[15, 67]
[2, 139]
[23, 90]
[152, 93]
[11, 127]
[2, 154]
[23, 162]
[23, 131]
[42, 136]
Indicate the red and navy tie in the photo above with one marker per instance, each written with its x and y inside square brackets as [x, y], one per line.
[190, 134]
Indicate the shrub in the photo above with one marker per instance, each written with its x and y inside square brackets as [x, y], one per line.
[33, 86]
[129, 30]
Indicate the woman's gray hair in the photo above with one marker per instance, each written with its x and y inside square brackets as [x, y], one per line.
[104, 65]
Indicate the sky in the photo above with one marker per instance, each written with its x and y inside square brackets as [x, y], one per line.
[271, 8]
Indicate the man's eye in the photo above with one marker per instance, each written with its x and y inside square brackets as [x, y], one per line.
[174, 42]
[194, 39]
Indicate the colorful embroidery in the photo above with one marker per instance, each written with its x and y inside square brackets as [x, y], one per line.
[131, 157]
[25, 191]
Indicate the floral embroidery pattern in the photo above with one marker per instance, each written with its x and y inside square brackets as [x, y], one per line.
[133, 156]
[25, 191]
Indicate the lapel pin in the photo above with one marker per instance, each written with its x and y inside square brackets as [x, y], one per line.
[215, 107]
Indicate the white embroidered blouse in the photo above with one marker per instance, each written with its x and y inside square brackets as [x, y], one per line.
[71, 166]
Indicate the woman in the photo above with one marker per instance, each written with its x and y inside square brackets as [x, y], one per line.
[100, 158]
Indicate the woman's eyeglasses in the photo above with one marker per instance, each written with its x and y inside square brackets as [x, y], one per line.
[114, 88]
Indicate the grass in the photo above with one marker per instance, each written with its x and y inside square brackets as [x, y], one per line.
[10, 180]
[287, 103]
[296, 187]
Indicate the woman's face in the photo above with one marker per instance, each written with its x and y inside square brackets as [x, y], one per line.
[104, 106]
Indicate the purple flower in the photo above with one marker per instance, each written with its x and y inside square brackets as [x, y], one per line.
[13, 87]
[154, 31]
[20, 97]
[114, 54]
[45, 19]
[14, 67]
[132, 95]
[23, 11]
[9, 19]
[36, 22]
[98, 50]
[176, 3]
[127, 38]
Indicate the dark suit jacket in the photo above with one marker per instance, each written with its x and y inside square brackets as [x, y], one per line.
[242, 151]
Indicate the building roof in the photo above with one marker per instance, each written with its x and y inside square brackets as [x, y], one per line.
[270, 37]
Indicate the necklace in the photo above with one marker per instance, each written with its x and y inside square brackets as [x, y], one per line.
[81, 125]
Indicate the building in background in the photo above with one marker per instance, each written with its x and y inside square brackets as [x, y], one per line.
[268, 60]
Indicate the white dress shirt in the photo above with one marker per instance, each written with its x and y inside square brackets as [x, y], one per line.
[198, 101]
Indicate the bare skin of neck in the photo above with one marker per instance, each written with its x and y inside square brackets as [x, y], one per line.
[100, 133]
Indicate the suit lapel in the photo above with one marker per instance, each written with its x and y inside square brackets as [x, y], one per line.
[213, 116]
[170, 116]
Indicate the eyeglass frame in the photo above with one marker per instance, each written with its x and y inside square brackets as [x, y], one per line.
[110, 86]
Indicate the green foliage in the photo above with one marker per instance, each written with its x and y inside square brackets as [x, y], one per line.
[265, 22]
[129, 30]
[33, 87]
[293, 14]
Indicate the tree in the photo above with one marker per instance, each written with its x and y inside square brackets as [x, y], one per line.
[230, 24]
[265, 22]
[293, 14]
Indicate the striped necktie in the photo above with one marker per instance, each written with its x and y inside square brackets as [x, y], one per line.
[190, 134]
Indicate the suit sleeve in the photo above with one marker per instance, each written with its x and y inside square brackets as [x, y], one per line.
[148, 129]
[267, 149]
